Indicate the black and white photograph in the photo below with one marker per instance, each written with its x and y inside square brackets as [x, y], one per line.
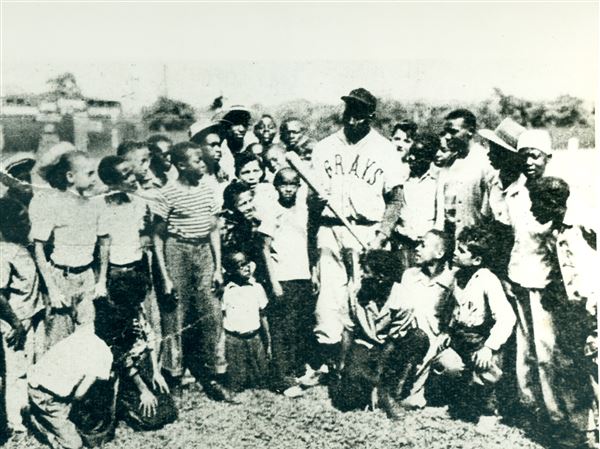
[299, 224]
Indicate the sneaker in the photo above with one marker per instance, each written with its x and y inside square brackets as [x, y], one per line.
[487, 424]
[293, 392]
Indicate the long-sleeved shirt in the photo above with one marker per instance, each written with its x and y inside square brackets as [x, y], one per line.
[480, 301]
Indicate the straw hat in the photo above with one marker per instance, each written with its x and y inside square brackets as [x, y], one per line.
[505, 135]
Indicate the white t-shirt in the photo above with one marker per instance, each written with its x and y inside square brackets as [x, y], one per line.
[289, 247]
[242, 305]
[355, 176]
[123, 222]
[66, 363]
[73, 220]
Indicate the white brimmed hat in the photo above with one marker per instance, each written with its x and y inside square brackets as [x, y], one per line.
[203, 127]
[536, 138]
[506, 134]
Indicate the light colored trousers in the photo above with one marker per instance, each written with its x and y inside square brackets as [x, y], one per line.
[332, 312]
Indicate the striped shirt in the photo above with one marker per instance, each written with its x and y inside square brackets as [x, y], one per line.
[189, 211]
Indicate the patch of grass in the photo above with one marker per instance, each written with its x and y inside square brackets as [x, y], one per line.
[264, 419]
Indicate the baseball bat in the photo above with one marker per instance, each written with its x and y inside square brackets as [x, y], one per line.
[297, 164]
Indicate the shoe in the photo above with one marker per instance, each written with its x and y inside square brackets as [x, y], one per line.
[391, 408]
[293, 392]
[218, 392]
[311, 378]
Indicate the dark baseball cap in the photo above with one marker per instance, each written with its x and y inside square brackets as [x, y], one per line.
[361, 97]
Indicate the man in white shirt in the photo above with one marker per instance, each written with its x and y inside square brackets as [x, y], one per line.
[356, 167]
[464, 173]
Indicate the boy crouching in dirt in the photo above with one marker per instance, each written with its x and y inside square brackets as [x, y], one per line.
[482, 320]
[379, 349]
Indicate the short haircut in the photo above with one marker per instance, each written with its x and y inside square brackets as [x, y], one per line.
[56, 174]
[258, 124]
[284, 125]
[246, 157]
[232, 191]
[127, 146]
[408, 126]
[479, 242]
[107, 170]
[551, 190]
[157, 138]
[179, 152]
[229, 263]
[279, 176]
[427, 144]
[468, 117]
[11, 220]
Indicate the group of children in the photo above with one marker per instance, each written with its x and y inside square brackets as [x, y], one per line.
[202, 256]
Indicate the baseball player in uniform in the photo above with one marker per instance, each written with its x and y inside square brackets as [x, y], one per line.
[356, 170]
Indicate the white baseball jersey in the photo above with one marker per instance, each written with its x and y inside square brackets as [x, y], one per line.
[356, 175]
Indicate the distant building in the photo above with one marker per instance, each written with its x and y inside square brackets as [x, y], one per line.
[34, 122]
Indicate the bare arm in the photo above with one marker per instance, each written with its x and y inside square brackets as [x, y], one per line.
[160, 230]
[104, 248]
[16, 338]
[215, 246]
[265, 333]
[84, 386]
[54, 298]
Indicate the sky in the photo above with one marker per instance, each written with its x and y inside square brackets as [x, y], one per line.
[274, 52]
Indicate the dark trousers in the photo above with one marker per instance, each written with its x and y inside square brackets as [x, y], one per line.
[291, 323]
[388, 367]
[246, 361]
[192, 329]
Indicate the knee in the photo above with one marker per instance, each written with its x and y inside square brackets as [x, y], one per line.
[449, 363]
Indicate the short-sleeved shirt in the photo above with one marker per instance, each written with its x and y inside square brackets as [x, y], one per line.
[287, 228]
[427, 296]
[190, 212]
[124, 222]
[63, 367]
[356, 176]
[19, 279]
[242, 305]
[482, 300]
[73, 221]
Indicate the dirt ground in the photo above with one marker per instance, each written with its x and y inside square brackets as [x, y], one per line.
[264, 419]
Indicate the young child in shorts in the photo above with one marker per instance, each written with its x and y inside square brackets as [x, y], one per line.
[247, 339]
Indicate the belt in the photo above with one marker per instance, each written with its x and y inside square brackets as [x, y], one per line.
[244, 335]
[333, 221]
[190, 240]
[127, 266]
[72, 270]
